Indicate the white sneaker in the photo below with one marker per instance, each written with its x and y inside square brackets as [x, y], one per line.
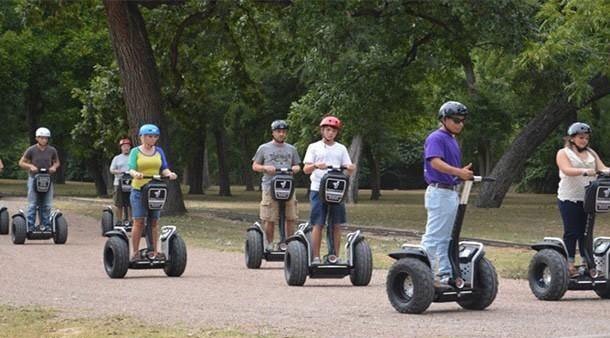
[269, 247]
[316, 260]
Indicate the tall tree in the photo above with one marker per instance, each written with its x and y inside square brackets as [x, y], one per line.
[140, 80]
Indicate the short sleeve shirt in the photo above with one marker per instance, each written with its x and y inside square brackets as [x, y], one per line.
[335, 155]
[443, 145]
[279, 155]
[148, 165]
[119, 163]
[41, 158]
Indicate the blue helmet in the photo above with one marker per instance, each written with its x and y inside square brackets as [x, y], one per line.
[149, 129]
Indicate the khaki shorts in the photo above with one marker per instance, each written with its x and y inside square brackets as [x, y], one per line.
[270, 210]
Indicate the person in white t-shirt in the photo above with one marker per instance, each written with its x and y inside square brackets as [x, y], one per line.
[578, 165]
[118, 166]
[320, 155]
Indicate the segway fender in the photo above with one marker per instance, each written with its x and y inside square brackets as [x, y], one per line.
[2, 209]
[120, 232]
[552, 244]
[256, 227]
[417, 252]
[167, 232]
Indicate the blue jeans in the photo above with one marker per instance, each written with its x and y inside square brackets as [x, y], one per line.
[42, 201]
[319, 211]
[138, 210]
[442, 206]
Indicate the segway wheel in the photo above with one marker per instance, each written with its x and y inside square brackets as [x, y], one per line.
[107, 222]
[253, 250]
[361, 273]
[486, 286]
[548, 275]
[177, 257]
[4, 223]
[18, 230]
[410, 286]
[116, 257]
[61, 230]
[295, 263]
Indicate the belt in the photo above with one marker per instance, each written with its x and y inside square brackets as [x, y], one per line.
[443, 186]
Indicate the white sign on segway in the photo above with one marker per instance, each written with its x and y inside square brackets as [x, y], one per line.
[156, 198]
[602, 201]
[335, 189]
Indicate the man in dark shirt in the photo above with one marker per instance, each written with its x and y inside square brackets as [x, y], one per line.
[39, 156]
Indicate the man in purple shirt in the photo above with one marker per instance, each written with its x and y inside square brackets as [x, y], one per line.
[442, 171]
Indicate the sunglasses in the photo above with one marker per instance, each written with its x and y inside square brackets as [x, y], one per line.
[458, 120]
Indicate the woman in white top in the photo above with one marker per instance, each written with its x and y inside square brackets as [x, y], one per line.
[578, 165]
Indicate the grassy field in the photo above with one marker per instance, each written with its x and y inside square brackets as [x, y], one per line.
[25, 322]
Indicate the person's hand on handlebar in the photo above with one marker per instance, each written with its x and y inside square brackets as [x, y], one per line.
[136, 174]
[172, 176]
[588, 172]
[466, 172]
[269, 169]
[33, 168]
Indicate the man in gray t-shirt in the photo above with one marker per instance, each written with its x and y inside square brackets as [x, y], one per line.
[269, 156]
[39, 156]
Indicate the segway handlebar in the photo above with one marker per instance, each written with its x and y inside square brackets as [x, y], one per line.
[484, 179]
[335, 167]
[283, 171]
[604, 174]
[157, 177]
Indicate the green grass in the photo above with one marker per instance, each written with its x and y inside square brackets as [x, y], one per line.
[36, 322]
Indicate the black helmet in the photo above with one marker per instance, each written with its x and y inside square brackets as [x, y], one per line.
[451, 108]
[279, 124]
[579, 128]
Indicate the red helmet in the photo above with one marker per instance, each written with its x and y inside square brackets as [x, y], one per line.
[124, 141]
[331, 121]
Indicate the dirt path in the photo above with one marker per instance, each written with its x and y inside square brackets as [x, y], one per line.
[218, 291]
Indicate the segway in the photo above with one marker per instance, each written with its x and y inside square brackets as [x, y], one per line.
[20, 229]
[282, 189]
[299, 254]
[473, 283]
[116, 250]
[4, 221]
[548, 270]
[108, 222]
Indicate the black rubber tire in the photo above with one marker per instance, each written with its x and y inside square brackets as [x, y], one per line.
[603, 291]
[295, 263]
[558, 273]
[107, 222]
[422, 281]
[486, 283]
[18, 230]
[253, 249]
[116, 257]
[177, 257]
[61, 230]
[361, 273]
[4, 222]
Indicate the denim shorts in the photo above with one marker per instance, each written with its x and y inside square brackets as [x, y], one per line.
[137, 207]
[319, 211]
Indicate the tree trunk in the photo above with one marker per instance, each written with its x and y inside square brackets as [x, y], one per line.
[223, 169]
[206, 170]
[512, 162]
[246, 162]
[375, 176]
[355, 150]
[140, 80]
[195, 166]
[95, 169]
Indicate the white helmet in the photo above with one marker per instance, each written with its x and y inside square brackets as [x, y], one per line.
[44, 132]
